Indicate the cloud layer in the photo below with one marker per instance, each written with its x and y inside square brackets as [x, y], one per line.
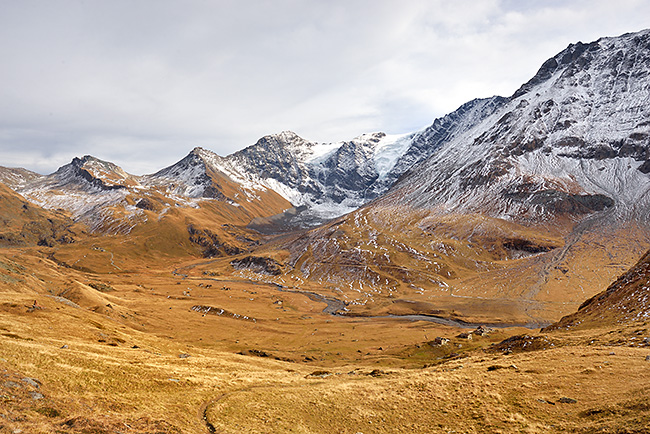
[141, 83]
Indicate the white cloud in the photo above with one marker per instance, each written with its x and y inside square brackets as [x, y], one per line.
[141, 83]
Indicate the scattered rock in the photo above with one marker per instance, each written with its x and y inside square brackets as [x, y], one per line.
[565, 400]
[258, 264]
[544, 401]
[31, 381]
[465, 335]
[146, 204]
[522, 343]
[36, 396]
[647, 358]
[320, 374]
[210, 310]
[439, 341]
[101, 287]
[376, 373]
[34, 306]
[183, 356]
[257, 353]
[482, 331]
[64, 347]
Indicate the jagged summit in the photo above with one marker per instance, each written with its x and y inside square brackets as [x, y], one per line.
[87, 188]
[509, 157]
[208, 156]
[191, 176]
[330, 179]
[90, 172]
[286, 135]
[577, 131]
[199, 151]
[571, 56]
[517, 198]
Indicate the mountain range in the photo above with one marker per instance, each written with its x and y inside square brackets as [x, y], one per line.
[489, 273]
[547, 185]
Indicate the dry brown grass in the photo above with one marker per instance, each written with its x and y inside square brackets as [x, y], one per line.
[108, 349]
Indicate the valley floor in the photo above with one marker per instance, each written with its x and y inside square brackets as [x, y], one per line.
[158, 352]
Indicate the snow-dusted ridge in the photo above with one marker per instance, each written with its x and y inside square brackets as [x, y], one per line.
[576, 137]
[16, 178]
[579, 127]
[86, 188]
[330, 179]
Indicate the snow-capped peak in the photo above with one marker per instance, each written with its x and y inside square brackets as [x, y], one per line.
[575, 139]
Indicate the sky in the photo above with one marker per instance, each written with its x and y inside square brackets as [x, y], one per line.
[142, 82]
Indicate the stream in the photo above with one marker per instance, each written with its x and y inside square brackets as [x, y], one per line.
[336, 307]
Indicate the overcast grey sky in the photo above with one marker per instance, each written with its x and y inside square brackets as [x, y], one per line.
[141, 82]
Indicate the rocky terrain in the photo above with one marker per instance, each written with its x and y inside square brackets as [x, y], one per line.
[489, 273]
[23, 224]
[520, 205]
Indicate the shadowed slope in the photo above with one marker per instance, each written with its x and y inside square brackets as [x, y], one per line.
[22, 223]
[625, 301]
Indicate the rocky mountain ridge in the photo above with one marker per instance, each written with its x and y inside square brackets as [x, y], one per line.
[574, 139]
[519, 207]
[324, 180]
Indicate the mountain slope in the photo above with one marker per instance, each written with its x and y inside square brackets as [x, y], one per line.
[17, 177]
[189, 209]
[86, 187]
[110, 200]
[25, 224]
[625, 301]
[522, 214]
[331, 179]
[578, 128]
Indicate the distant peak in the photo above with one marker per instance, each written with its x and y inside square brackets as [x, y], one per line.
[203, 154]
[198, 150]
[370, 136]
[285, 136]
[80, 162]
